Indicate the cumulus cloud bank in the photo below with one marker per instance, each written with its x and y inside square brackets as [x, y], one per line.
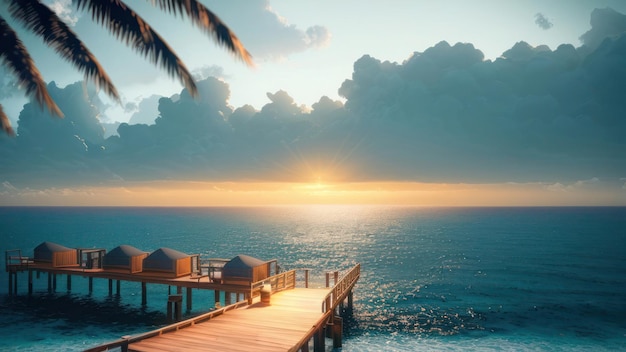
[442, 115]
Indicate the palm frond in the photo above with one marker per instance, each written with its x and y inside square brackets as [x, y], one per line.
[129, 27]
[5, 124]
[209, 23]
[15, 56]
[44, 22]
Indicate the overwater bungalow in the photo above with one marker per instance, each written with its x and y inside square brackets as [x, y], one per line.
[55, 254]
[125, 257]
[168, 262]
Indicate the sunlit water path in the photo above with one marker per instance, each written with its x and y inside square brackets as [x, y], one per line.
[432, 278]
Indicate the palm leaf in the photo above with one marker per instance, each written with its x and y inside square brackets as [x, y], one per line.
[42, 21]
[208, 22]
[5, 124]
[129, 27]
[15, 56]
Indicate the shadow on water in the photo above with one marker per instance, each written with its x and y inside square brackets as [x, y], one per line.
[76, 310]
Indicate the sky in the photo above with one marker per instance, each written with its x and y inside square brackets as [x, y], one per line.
[433, 103]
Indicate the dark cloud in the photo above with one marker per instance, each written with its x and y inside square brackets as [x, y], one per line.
[605, 23]
[543, 22]
[443, 115]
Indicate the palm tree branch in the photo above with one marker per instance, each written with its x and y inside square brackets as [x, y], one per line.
[39, 19]
[126, 25]
[209, 23]
[14, 55]
[5, 124]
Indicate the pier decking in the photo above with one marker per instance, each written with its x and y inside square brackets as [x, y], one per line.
[258, 327]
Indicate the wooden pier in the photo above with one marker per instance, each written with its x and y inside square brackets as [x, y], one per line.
[267, 315]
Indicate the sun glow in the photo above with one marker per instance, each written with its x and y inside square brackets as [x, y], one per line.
[258, 194]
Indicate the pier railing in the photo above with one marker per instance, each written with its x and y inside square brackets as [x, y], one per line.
[124, 342]
[14, 261]
[278, 282]
[341, 289]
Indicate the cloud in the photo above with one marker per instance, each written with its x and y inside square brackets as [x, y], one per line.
[574, 186]
[443, 115]
[317, 37]
[271, 37]
[146, 111]
[605, 23]
[63, 9]
[542, 21]
[8, 84]
[207, 71]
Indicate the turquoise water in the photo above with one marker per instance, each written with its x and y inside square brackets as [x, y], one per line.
[450, 279]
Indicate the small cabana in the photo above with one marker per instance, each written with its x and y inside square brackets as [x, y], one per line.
[55, 254]
[169, 262]
[91, 258]
[125, 257]
[244, 270]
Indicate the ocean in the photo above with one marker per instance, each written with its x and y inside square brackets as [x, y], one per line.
[432, 279]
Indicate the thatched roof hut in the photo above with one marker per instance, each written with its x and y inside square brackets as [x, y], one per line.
[243, 270]
[55, 254]
[168, 262]
[125, 257]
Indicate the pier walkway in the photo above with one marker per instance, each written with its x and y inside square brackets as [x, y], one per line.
[269, 314]
[279, 326]
[289, 320]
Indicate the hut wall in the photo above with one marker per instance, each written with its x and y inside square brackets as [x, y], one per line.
[66, 258]
[43, 257]
[183, 266]
[260, 272]
[108, 265]
[178, 267]
[246, 276]
[136, 263]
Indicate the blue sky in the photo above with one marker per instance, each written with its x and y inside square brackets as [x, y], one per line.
[416, 92]
[275, 32]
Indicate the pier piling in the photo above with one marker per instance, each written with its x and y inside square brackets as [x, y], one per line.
[337, 331]
[10, 283]
[189, 303]
[30, 282]
[144, 295]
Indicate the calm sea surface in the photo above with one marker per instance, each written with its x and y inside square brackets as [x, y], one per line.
[449, 279]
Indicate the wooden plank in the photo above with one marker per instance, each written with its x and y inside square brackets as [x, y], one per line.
[266, 328]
